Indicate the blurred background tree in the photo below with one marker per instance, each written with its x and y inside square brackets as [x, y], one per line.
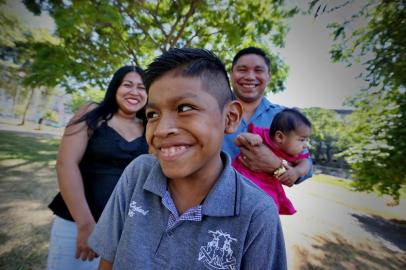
[17, 44]
[327, 131]
[96, 37]
[374, 35]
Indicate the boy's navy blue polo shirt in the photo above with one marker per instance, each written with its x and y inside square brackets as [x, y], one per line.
[239, 228]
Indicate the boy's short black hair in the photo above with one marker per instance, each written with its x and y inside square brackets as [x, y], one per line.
[252, 50]
[288, 120]
[191, 62]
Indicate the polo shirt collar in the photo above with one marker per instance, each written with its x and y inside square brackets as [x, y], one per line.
[223, 199]
[156, 181]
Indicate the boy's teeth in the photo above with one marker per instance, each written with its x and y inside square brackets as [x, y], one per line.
[170, 151]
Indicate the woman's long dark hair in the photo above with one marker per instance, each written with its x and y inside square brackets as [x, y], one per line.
[108, 106]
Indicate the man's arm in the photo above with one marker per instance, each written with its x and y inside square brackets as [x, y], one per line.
[261, 158]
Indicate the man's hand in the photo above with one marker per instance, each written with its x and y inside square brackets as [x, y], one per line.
[289, 177]
[257, 158]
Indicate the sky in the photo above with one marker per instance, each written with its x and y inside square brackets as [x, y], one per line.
[313, 81]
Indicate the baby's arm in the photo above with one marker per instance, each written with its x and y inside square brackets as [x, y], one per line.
[251, 138]
[299, 169]
[301, 166]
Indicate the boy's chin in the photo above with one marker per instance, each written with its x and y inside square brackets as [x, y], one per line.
[174, 173]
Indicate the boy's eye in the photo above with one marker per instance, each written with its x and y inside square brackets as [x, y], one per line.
[184, 108]
[151, 115]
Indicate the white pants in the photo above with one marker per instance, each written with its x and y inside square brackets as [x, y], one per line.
[62, 248]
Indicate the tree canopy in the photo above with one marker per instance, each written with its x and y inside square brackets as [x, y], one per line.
[99, 36]
[374, 36]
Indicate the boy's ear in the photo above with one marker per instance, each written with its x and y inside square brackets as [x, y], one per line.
[233, 116]
[279, 136]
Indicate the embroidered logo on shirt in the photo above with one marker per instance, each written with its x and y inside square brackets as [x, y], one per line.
[135, 208]
[217, 254]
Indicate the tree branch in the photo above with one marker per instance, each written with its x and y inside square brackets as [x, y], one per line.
[187, 16]
[138, 24]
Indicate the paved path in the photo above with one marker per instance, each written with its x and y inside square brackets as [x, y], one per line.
[338, 229]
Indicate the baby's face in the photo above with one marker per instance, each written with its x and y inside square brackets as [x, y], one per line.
[297, 141]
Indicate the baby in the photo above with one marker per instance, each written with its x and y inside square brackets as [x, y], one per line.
[288, 138]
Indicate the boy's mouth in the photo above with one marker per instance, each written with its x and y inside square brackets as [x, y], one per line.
[172, 152]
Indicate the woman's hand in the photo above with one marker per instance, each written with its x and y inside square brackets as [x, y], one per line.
[83, 251]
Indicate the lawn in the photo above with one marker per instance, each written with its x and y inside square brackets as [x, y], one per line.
[345, 183]
[27, 184]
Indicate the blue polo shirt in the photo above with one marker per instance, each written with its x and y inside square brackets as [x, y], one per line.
[239, 227]
[262, 117]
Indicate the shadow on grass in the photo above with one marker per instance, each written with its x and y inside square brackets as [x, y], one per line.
[336, 252]
[385, 229]
[29, 148]
[27, 184]
[28, 253]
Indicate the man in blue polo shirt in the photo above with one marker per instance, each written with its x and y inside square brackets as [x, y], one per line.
[250, 75]
[185, 207]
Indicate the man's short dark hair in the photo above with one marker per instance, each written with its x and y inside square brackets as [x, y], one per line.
[252, 50]
[191, 62]
[288, 120]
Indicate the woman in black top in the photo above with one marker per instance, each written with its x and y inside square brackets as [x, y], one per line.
[97, 145]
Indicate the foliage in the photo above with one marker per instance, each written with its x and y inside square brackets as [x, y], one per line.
[51, 115]
[82, 97]
[374, 36]
[328, 128]
[17, 55]
[325, 124]
[99, 36]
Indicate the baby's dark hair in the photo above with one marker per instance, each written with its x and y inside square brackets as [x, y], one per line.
[190, 62]
[288, 120]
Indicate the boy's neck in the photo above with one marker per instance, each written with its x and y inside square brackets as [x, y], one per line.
[188, 193]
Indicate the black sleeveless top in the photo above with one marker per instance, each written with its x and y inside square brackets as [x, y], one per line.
[106, 156]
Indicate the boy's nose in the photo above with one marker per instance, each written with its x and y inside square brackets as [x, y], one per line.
[166, 127]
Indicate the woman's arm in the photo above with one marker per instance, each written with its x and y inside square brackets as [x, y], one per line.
[71, 151]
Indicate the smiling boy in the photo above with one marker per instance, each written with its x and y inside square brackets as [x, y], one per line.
[185, 207]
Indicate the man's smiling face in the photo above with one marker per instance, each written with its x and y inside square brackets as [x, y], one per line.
[249, 77]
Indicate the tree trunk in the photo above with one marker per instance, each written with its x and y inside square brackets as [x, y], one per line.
[27, 107]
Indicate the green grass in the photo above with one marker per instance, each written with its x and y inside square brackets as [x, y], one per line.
[345, 183]
[29, 148]
[27, 184]
[331, 180]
